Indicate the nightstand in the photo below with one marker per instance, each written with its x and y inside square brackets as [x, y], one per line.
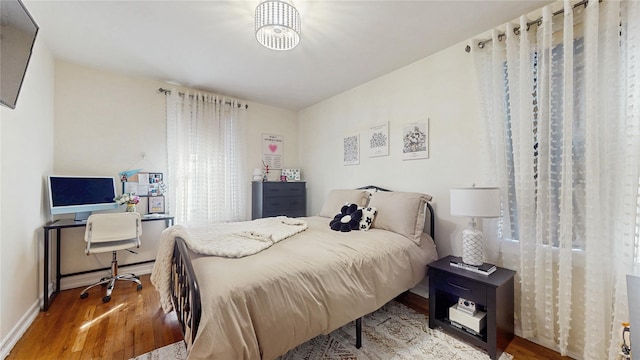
[491, 293]
[274, 198]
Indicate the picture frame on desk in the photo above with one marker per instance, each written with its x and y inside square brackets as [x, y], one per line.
[156, 205]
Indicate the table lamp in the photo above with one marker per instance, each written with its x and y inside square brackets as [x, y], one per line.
[474, 202]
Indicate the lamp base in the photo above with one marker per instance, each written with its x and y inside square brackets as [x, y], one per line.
[472, 247]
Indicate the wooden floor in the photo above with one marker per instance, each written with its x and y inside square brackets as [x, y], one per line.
[133, 324]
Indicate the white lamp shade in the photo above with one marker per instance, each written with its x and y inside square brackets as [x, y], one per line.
[481, 202]
[277, 24]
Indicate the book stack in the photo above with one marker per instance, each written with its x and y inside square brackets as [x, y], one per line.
[484, 269]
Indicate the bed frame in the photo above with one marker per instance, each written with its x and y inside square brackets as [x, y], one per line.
[185, 291]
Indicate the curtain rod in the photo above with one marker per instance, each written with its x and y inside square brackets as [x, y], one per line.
[537, 21]
[167, 91]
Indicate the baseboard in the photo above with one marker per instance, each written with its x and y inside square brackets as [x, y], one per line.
[76, 281]
[9, 341]
[420, 292]
[422, 289]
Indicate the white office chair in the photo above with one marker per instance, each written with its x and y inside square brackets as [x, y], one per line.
[112, 232]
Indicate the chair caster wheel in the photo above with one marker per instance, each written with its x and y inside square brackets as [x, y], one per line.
[84, 295]
[139, 287]
[106, 299]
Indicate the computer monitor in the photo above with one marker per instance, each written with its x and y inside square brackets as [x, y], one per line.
[81, 194]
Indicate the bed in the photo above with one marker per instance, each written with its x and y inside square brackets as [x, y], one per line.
[309, 283]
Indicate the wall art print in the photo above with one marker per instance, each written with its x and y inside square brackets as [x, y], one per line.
[272, 150]
[351, 150]
[379, 140]
[415, 141]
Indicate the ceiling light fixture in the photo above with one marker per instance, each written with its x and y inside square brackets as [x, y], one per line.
[277, 25]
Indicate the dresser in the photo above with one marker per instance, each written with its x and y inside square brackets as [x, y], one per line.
[273, 198]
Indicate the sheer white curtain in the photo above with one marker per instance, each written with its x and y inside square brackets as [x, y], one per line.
[561, 104]
[205, 143]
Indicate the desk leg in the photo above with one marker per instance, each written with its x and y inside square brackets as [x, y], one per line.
[58, 276]
[45, 272]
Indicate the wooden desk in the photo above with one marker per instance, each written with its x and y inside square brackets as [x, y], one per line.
[58, 225]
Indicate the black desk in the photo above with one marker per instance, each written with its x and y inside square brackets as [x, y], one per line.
[58, 225]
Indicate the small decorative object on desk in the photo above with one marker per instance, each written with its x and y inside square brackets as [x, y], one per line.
[156, 205]
[129, 199]
[484, 269]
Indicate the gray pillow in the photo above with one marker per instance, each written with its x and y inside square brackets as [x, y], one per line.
[400, 212]
[337, 198]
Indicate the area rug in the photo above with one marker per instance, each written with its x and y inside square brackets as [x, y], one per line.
[392, 332]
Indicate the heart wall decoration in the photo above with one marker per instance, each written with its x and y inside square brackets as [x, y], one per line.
[272, 149]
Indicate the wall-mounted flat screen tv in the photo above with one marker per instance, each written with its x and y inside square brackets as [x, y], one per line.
[18, 33]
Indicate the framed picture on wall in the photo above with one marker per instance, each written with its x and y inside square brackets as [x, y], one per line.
[156, 205]
[379, 140]
[351, 150]
[415, 141]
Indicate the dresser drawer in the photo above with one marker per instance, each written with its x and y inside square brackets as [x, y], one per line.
[286, 212]
[283, 189]
[283, 203]
[461, 287]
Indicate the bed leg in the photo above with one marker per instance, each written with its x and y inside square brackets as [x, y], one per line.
[358, 333]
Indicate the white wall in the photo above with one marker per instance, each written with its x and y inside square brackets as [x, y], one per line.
[26, 152]
[271, 120]
[441, 88]
[104, 121]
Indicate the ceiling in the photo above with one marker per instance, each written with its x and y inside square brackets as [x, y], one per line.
[210, 45]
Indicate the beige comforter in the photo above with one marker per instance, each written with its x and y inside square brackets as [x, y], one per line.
[265, 304]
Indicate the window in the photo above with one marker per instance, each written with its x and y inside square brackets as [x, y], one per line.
[550, 178]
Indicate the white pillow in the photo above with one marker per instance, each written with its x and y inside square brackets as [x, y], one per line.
[338, 198]
[368, 215]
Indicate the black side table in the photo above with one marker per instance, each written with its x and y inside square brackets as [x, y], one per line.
[492, 293]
